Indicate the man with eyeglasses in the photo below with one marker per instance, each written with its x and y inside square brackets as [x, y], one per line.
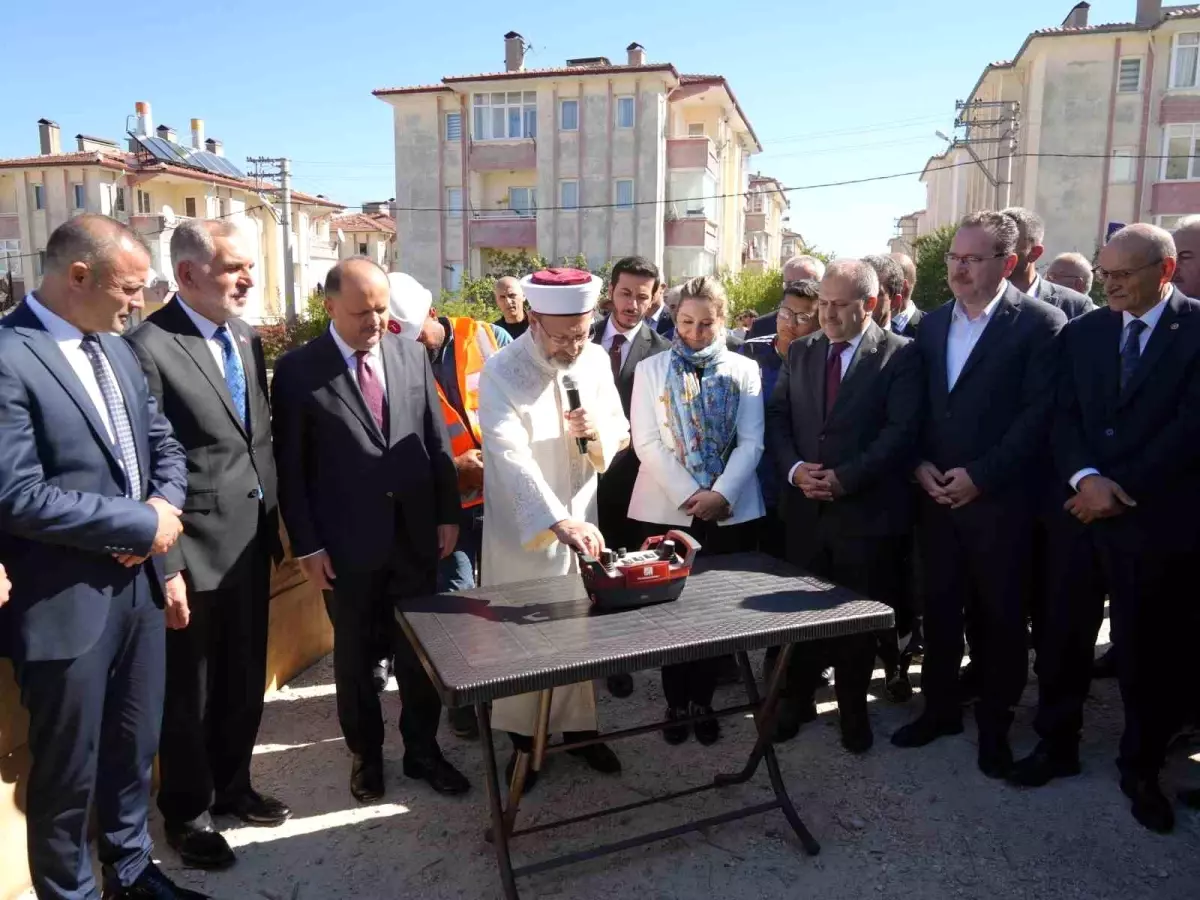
[1025, 278]
[989, 360]
[1127, 453]
[798, 268]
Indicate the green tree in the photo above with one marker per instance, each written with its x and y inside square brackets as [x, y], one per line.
[759, 291]
[930, 251]
[1097, 292]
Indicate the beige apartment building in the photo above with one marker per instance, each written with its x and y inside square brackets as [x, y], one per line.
[152, 181]
[370, 233]
[1109, 130]
[590, 158]
[766, 208]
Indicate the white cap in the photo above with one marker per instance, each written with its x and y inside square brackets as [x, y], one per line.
[562, 292]
[408, 305]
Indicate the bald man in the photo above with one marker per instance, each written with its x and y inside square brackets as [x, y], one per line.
[511, 302]
[1071, 270]
[369, 495]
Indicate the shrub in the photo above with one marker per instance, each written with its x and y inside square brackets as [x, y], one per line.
[930, 251]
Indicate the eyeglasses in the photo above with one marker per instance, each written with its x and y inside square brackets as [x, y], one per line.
[953, 259]
[1121, 274]
[788, 317]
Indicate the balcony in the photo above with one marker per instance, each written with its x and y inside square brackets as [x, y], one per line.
[501, 156]
[756, 221]
[499, 228]
[692, 153]
[319, 249]
[694, 232]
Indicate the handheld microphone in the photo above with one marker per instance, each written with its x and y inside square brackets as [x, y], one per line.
[572, 390]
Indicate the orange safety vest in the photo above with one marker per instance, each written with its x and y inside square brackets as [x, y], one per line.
[474, 344]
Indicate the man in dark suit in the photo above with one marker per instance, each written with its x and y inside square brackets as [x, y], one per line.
[843, 422]
[798, 268]
[205, 368]
[1127, 448]
[369, 495]
[627, 336]
[90, 492]
[657, 314]
[1032, 231]
[905, 316]
[989, 363]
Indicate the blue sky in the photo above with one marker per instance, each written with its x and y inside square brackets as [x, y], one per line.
[835, 91]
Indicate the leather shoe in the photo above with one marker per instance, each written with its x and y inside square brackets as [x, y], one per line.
[676, 734]
[463, 722]
[531, 776]
[254, 809]
[926, 729]
[793, 714]
[857, 736]
[620, 686]
[366, 779]
[441, 776]
[199, 847]
[1105, 665]
[599, 757]
[898, 688]
[995, 756]
[152, 884]
[708, 731]
[1043, 765]
[1150, 805]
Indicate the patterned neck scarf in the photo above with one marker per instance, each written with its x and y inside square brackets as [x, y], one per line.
[702, 406]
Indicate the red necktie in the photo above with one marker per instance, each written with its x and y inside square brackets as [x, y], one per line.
[372, 390]
[833, 374]
[614, 355]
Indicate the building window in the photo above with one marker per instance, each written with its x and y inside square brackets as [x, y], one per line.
[568, 115]
[623, 193]
[1184, 58]
[1182, 160]
[624, 112]
[223, 208]
[119, 199]
[39, 264]
[362, 249]
[454, 126]
[504, 116]
[523, 201]
[454, 202]
[10, 258]
[695, 129]
[39, 197]
[143, 203]
[189, 207]
[452, 277]
[568, 194]
[1129, 76]
[78, 195]
[1122, 168]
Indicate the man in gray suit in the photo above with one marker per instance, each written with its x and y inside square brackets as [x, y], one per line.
[1025, 278]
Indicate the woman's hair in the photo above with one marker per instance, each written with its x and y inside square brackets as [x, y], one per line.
[707, 288]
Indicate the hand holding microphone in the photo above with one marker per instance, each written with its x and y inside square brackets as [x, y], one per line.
[579, 421]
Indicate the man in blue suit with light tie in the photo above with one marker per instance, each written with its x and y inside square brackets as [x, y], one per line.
[90, 493]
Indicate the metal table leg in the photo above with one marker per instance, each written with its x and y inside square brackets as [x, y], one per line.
[497, 834]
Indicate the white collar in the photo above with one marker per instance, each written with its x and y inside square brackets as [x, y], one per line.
[1150, 317]
[853, 342]
[905, 314]
[205, 326]
[612, 329]
[961, 312]
[349, 354]
[1035, 287]
[56, 326]
[654, 316]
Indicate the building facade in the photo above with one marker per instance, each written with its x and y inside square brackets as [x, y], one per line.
[370, 233]
[766, 209]
[590, 159]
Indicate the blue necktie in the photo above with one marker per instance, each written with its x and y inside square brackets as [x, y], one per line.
[235, 375]
[1131, 353]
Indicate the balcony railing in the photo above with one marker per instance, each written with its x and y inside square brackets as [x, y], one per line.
[499, 228]
[692, 153]
[504, 213]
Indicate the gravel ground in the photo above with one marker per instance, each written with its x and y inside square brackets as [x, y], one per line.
[912, 824]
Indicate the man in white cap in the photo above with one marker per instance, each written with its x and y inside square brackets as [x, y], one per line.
[540, 479]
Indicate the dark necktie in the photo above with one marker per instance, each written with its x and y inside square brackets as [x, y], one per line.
[833, 374]
[614, 355]
[1131, 353]
[897, 327]
[372, 389]
[117, 415]
[235, 374]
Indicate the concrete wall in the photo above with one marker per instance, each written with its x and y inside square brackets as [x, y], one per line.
[418, 133]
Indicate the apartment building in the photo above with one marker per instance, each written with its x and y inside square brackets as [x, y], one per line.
[766, 209]
[152, 182]
[1109, 124]
[791, 243]
[590, 158]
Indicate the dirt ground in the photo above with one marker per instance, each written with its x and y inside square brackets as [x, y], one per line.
[894, 823]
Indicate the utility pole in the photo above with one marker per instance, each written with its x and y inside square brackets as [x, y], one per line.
[282, 172]
[1007, 128]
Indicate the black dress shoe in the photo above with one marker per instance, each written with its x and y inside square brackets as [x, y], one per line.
[926, 729]
[708, 731]
[152, 884]
[599, 757]
[676, 734]
[898, 688]
[531, 776]
[254, 809]
[1105, 665]
[857, 736]
[620, 686]
[995, 756]
[366, 779]
[1150, 805]
[793, 714]
[1043, 765]
[463, 722]
[200, 847]
[441, 776]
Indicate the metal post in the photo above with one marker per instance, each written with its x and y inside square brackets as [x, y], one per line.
[289, 266]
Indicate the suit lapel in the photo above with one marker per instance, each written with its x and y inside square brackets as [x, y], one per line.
[862, 363]
[394, 372]
[1003, 317]
[637, 352]
[939, 327]
[1108, 359]
[814, 372]
[1160, 338]
[344, 387]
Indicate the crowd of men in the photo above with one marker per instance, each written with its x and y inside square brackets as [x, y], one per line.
[993, 469]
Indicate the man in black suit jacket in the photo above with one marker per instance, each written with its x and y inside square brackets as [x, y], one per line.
[90, 492]
[1031, 232]
[1127, 448]
[369, 495]
[906, 318]
[205, 368]
[843, 422]
[989, 363]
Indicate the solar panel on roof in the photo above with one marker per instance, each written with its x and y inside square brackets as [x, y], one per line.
[164, 150]
[178, 155]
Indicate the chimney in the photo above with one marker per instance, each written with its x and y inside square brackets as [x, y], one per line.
[514, 52]
[197, 134]
[215, 147]
[1078, 16]
[637, 54]
[1149, 12]
[51, 137]
[375, 208]
[145, 124]
[167, 133]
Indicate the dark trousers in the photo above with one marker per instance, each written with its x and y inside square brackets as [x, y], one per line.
[771, 533]
[975, 562]
[216, 676]
[695, 682]
[361, 607]
[457, 571]
[93, 732]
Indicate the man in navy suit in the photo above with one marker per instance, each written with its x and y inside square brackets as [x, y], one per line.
[1127, 448]
[989, 361]
[90, 497]
[1032, 231]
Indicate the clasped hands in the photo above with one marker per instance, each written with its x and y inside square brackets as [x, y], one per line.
[1097, 497]
[165, 535]
[817, 482]
[708, 506]
[953, 488]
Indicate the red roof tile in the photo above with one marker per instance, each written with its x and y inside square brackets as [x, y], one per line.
[525, 73]
[359, 222]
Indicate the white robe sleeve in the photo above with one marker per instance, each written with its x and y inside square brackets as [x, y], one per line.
[611, 425]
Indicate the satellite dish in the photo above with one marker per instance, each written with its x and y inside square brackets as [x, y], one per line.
[168, 216]
[341, 236]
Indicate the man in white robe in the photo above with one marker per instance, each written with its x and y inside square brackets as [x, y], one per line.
[540, 491]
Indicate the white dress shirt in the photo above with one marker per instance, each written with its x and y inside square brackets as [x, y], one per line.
[1035, 287]
[374, 359]
[847, 356]
[654, 317]
[1150, 320]
[70, 342]
[208, 331]
[965, 334]
[900, 321]
[611, 330]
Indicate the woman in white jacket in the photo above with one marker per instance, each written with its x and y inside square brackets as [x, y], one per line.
[696, 424]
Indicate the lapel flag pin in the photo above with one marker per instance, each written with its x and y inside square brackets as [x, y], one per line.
[1174, 326]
